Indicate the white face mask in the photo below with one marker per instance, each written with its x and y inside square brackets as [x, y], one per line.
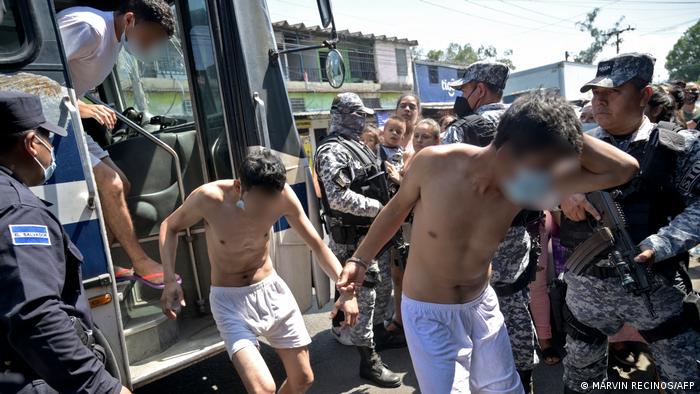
[51, 168]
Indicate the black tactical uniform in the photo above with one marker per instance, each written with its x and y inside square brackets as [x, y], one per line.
[477, 126]
[662, 209]
[354, 190]
[43, 309]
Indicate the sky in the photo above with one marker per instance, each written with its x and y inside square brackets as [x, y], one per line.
[538, 32]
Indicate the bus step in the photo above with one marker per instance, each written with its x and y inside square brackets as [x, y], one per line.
[148, 332]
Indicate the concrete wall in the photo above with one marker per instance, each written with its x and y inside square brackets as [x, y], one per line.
[385, 63]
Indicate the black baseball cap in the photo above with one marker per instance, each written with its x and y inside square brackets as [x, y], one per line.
[20, 112]
[619, 70]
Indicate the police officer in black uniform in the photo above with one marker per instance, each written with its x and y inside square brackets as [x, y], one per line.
[353, 191]
[45, 324]
[479, 108]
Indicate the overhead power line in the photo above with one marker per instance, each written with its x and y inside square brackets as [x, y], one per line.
[617, 33]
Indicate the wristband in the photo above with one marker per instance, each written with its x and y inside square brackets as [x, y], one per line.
[358, 261]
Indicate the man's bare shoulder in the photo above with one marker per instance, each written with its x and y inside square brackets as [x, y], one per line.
[441, 155]
[213, 192]
[289, 203]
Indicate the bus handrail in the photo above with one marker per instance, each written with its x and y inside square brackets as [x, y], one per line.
[261, 118]
[181, 188]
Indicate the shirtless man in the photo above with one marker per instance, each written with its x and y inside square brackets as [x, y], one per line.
[453, 325]
[247, 297]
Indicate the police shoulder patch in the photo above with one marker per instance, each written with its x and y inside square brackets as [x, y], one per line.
[29, 234]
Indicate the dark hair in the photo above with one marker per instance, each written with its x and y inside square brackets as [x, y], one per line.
[264, 170]
[659, 98]
[445, 117]
[403, 96]
[396, 118]
[154, 11]
[540, 121]
[678, 94]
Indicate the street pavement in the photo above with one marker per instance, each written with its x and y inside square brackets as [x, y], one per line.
[336, 367]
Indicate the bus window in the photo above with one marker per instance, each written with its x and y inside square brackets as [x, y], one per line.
[16, 33]
[157, 87]
[207, 90]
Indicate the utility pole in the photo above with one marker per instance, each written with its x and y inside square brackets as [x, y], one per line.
[617, 33]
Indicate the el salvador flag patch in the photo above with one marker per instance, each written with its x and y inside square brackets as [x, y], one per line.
[29, 234]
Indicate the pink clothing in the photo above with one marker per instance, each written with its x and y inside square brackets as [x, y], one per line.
[539, 296]
[627, 334]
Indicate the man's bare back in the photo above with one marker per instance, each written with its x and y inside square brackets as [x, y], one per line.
[237, 239]
[458, 223]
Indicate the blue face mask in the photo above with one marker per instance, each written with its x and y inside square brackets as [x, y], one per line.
[48, 171]
[530, 189]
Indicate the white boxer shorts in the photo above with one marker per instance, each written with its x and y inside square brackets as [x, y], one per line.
[460, 348]
[266, 308]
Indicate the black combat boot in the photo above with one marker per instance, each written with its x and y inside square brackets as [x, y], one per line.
[385, 339]
[526, 379]
[372, 368]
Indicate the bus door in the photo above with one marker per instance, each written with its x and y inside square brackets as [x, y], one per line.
[169, 140]
[31, 61]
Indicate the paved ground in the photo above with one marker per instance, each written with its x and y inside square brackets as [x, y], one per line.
[335, 367]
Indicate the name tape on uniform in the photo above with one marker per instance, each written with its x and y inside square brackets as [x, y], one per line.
[29, 234]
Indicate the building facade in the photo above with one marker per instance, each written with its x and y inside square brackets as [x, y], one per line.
[377, 68]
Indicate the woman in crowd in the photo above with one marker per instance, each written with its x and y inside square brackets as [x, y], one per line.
[408, 107]
[661, 106]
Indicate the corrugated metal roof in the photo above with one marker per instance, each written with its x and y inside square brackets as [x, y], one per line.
[441, 64]
[342, 33]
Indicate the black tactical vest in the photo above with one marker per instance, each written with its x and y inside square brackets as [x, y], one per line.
[476, 130]
[369, 180]
[649, 200]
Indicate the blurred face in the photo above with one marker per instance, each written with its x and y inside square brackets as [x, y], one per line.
[393, 132]
[423, 137]
[527, 180]
[145, 36]
[257, 199]
[619, 110]
[408, 109]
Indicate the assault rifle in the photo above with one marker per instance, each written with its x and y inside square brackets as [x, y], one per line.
[610, 236]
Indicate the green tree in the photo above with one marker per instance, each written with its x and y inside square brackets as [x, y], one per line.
[460, 54]
[683, 61]
[435, 55]
[466, 54]
[601, 37]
